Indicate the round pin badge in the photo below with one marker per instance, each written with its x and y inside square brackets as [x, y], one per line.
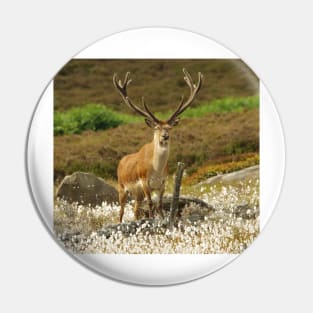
[155, 156]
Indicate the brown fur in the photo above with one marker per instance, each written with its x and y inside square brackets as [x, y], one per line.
[134, 166]
[134, 173]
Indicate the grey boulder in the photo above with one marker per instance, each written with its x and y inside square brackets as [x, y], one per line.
[86, 188]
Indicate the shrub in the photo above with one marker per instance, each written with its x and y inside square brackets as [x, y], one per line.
[90, 117]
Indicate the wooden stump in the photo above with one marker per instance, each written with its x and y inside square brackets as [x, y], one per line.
[177, 184]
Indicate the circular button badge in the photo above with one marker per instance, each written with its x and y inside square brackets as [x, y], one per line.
[155, 156]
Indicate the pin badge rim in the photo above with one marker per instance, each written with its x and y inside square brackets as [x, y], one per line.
[76, 257]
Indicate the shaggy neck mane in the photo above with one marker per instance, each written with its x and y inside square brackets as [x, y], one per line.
[160, 154]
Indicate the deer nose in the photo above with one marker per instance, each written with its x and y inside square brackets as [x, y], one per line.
[166, 136]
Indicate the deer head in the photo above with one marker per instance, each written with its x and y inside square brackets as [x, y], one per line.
[161, 128]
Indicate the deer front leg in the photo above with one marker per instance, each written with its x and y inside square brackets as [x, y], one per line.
[147, 193]
[160, 202]
[122, 199]
[138, 200]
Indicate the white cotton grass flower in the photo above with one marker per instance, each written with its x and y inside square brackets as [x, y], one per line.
[221, 231]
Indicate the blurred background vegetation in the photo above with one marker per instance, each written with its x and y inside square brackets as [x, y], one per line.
[93, 128]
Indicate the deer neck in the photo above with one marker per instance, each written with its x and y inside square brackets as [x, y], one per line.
[160, 154]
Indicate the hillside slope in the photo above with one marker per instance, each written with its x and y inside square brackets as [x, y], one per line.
[160, 81]
[194, 141]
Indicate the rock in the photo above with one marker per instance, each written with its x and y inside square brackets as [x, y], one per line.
[86, 188]
[151, 226]
[246, 173]
[201, 207]
[183, 202]
[245, 211]
[146, 226]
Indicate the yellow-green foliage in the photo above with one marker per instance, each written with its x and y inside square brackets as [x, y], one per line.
[221, 167]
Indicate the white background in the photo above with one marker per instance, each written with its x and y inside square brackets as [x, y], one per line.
[275, 39]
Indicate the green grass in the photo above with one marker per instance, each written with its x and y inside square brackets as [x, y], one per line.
[229, 104]
[90, 117]
[99, 117]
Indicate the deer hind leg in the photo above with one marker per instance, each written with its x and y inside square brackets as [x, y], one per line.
[122, 199]
[147, 194]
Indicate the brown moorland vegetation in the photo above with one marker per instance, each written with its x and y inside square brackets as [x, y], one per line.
[83, 81]
[201, 142]
[194, 141]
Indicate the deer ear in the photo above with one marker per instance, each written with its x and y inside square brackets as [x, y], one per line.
[175, 122]
[150, 123]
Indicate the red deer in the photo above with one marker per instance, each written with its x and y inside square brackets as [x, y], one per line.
[145, 171]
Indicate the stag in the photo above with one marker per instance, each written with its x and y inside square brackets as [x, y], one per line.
[145, 171]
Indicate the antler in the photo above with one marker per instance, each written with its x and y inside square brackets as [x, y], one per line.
[194, 89]
[122, 88]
